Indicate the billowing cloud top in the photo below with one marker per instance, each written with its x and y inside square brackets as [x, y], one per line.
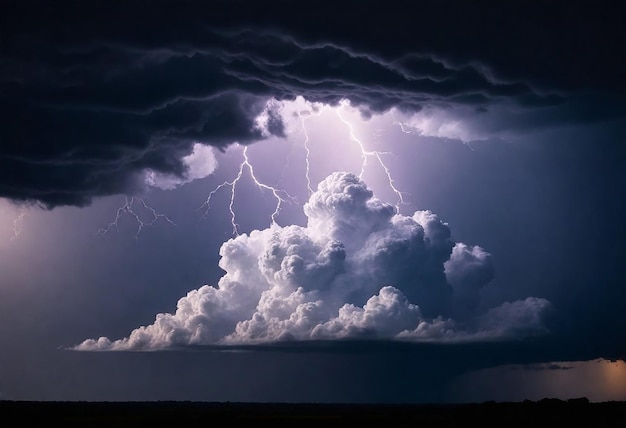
[93, 94]
[357, 270]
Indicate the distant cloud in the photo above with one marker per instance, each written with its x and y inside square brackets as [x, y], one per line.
[357, 270]
[546, 366]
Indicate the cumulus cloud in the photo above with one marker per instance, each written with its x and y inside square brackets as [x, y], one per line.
[467, 270]
[93, 95]
[358, 269]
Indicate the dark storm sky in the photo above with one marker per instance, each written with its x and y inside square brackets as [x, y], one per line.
[107, 90]
[92, 94]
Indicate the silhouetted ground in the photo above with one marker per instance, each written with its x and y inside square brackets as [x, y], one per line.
[547, 412]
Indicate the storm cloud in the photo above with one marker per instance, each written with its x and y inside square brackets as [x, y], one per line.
[357, 270]
[92, 97]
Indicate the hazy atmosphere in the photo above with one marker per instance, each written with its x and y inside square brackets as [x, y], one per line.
[341, 202]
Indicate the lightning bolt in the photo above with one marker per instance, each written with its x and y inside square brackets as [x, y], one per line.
[246, 168]
[18, 224]
[402, 127]
[279, 195]
[307, 172]
[127, 209]
[287, 164]
[365, 154]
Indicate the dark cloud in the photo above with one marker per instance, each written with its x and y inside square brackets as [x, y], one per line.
[94, 93]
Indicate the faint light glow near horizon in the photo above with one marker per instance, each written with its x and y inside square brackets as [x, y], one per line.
[599, 380]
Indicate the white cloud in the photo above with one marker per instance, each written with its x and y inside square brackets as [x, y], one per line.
[466, 123]
[512, 318]
[199, 163]
[357, 270]
[385, 314]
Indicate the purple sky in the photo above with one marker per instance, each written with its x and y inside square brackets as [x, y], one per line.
[442, 213]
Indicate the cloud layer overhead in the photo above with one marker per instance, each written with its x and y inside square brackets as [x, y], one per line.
[357, 270]
[94, 95]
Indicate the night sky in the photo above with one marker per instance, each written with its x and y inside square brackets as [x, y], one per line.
[356, 201]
